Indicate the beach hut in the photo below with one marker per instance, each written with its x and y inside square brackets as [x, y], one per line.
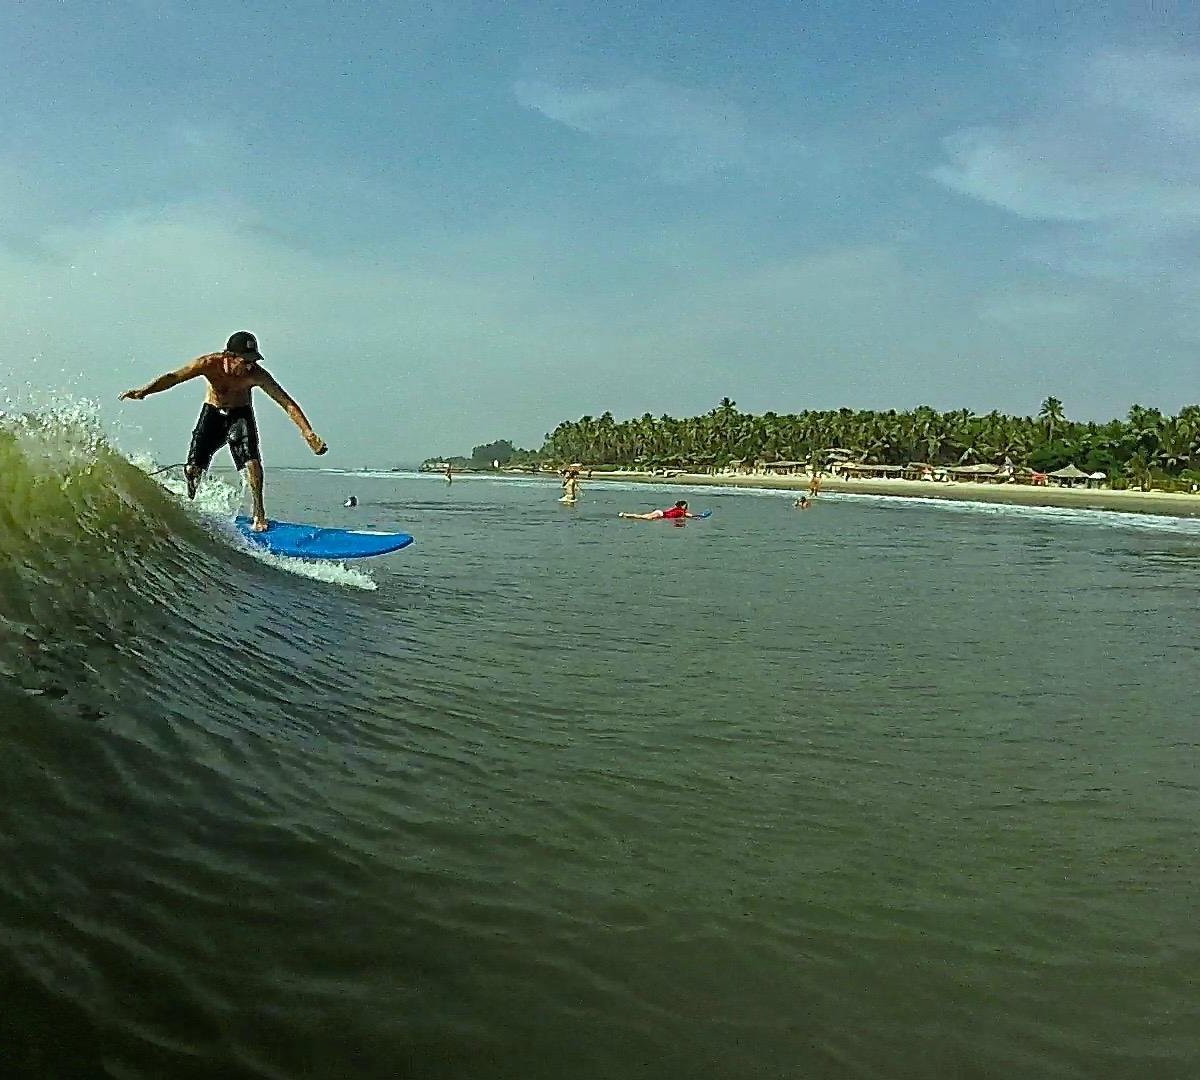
[1069, 476]
[983, 472]
[923, 470]
[868, 472]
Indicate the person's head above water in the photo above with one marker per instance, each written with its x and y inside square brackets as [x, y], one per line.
[682, 504]
[245, 345]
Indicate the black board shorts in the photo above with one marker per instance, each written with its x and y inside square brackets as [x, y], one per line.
[216, 427]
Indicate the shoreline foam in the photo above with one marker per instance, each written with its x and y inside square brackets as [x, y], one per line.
[1162, 503]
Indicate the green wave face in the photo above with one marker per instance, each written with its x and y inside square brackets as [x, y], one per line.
[92, 551]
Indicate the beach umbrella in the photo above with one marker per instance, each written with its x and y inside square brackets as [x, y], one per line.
[1070, 473]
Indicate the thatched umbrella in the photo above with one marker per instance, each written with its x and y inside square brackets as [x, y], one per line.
[1069, 473]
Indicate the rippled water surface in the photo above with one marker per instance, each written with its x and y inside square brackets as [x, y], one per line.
[874, 790]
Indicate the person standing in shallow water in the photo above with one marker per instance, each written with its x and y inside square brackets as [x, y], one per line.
[227, 415]
[570, 484]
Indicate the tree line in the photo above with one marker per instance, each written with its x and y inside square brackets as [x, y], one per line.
[1147, 446]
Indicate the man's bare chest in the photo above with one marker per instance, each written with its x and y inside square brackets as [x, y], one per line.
[229, 391]
[230, 384]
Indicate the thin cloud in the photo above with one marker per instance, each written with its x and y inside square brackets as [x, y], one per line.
[687, 134]
[1111, 160]
[1118, 140]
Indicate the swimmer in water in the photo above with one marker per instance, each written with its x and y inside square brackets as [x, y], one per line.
[679, 510]
[351, 502]
[803, 503]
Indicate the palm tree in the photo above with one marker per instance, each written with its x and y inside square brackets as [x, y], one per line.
[1137, 469]
[1145, 439]
[1188, 422]
[1052, 413]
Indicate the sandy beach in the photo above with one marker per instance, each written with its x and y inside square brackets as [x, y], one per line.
[1129, 502]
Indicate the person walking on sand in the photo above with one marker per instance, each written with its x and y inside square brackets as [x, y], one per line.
[679, 510]
[814, 485]
[227, 415]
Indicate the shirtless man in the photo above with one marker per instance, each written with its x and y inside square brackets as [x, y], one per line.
[570, 485]
[227, 415]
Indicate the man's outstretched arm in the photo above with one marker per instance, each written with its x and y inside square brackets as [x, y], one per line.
[165, 382]
[286, 402]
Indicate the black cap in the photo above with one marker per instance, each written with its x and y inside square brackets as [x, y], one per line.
[243, 343]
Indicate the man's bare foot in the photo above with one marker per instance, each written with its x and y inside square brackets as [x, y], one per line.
[193, 482]
[260, 524]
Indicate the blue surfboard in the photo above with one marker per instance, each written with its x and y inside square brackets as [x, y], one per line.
[315, 542]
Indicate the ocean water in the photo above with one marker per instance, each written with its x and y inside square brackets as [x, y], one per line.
[880, 789]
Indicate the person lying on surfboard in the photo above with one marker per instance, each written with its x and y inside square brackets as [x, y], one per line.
[227, 415]
[679, 510]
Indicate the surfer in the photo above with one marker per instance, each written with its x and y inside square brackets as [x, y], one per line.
[227, 415]
[679, 510]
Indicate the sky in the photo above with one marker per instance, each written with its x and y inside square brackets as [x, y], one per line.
[454, 222]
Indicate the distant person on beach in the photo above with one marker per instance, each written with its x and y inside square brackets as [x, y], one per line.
[679, 510]
[814, 485]
[449, 475]
[227, 415]
[351, 502]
